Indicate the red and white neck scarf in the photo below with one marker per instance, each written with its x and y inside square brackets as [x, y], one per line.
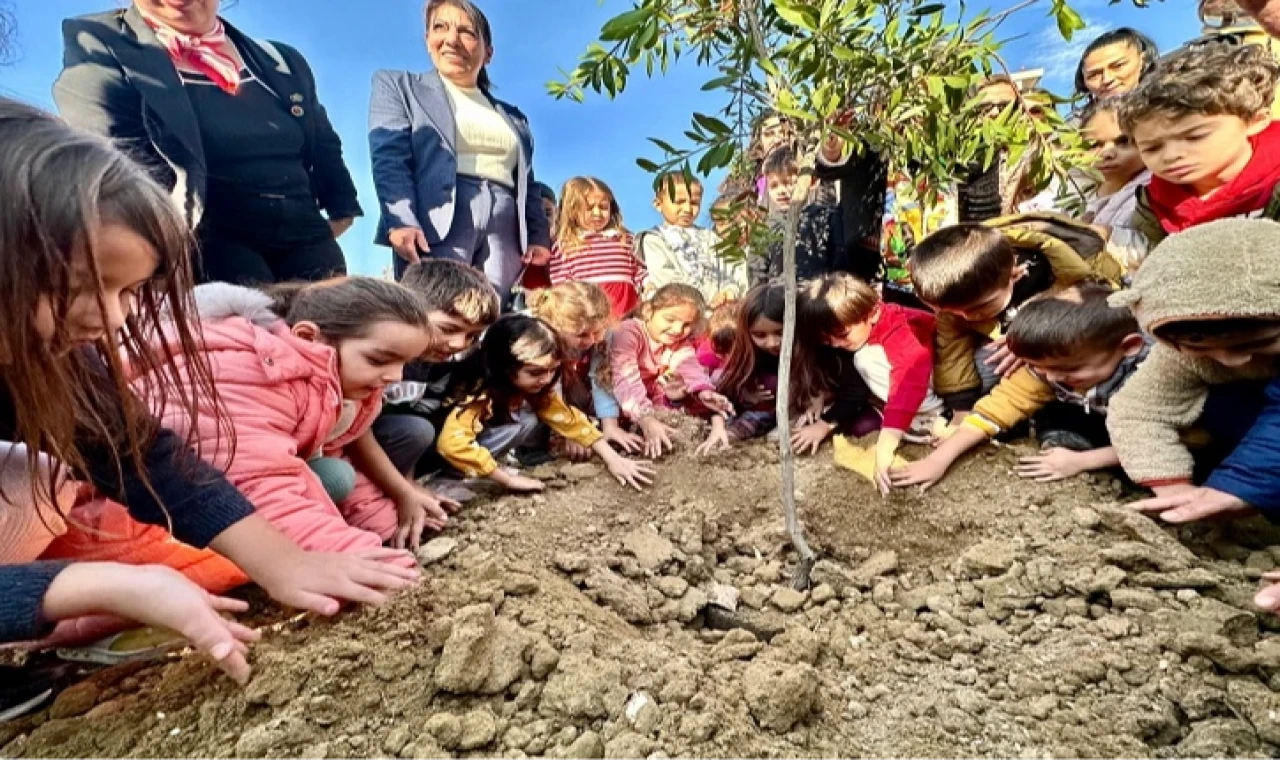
[202, 52]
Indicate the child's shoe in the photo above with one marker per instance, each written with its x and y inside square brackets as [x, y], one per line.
[136, 645]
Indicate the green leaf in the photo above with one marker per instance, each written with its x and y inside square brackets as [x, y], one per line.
[843, 53]
[623, 26]
[648, 165]
[798, 14]
[719, 83]
[928, 10]
[663, 145]
[712, 124]
[1069, 22]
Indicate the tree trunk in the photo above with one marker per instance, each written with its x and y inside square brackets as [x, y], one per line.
[787, 455]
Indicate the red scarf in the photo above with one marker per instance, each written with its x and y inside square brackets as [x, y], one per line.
[1179, 208]
[202, 52]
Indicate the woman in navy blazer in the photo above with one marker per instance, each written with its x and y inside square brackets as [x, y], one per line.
[230, 124]
[452, 165]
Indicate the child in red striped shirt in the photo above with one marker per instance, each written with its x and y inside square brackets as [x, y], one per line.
[591, 245]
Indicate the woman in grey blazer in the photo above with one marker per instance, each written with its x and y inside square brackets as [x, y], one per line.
[231, 124]
[452, 165]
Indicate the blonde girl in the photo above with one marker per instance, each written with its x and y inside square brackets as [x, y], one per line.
[592, 245]
[654, 360]
[579, 312]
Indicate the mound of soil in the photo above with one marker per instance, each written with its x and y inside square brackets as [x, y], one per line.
[989, 617]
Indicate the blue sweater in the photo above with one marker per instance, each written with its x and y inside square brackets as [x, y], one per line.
[193, 497]
[1252, 472]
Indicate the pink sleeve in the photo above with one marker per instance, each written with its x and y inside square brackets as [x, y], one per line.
[691, 370]
[910, 370]
[624, 360]
[269, 469]
[707, 356]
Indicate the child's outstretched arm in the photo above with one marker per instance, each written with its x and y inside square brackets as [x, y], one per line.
[417, 508]
[928, 472]
[718, 440]
[459, 447]
[158, 596]
[570, 423]
[608, 411]
[910, 372]
[1165, 396]
[1060, 464]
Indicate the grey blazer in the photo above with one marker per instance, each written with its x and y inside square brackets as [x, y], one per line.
[413, 148]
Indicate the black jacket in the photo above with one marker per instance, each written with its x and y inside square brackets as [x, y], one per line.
[118, 80]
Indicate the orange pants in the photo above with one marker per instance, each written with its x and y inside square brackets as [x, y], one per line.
[100, 530]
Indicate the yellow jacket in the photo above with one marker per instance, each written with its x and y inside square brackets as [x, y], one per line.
[460, 449]
[1015, 399]
[957, 340]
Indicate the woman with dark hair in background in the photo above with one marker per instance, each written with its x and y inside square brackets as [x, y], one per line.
[452, 165]
[1114, 63]
[230, 124]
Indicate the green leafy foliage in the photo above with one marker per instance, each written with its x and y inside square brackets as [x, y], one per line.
[886, 75]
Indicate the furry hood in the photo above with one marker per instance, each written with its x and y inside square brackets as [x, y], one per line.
[1222, 270]
[216, 301]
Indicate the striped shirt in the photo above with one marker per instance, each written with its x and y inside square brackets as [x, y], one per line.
[599, 257]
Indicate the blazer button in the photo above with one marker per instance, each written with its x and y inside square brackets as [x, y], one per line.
[269, 362]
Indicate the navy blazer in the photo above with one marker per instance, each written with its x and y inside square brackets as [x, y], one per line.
[118, 80]
[413, 148]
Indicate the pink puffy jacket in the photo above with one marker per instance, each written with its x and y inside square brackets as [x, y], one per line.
[282, 396]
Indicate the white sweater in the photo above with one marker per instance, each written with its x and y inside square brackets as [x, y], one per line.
[488, 147]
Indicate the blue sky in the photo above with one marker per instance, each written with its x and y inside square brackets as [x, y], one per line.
[346, 40]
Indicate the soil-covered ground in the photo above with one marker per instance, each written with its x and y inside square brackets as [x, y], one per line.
[990, 617]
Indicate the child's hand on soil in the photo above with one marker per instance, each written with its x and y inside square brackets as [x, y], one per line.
[811, 415]
[320, 581]
[1269, 597]
[808, 439]
[628, 442]
[576, 452]
[716, 403]
[926, 473]
[673, 387]
[1053, 464]
[886, 449]
[1194, 504]
[521, 484]
[156, 596]
[630, 472]
[716, 442]
[1002, 359]
[417, 510]
[657, 437]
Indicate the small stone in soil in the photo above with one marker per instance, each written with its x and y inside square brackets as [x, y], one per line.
[788, 599]
[436, 550]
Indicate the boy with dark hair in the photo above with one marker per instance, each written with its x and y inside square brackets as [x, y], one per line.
[1078, 351]
[819, 237]
[678, 250]
[976, 278]
[1216, 320]
[462, 304]
[1203, 127]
